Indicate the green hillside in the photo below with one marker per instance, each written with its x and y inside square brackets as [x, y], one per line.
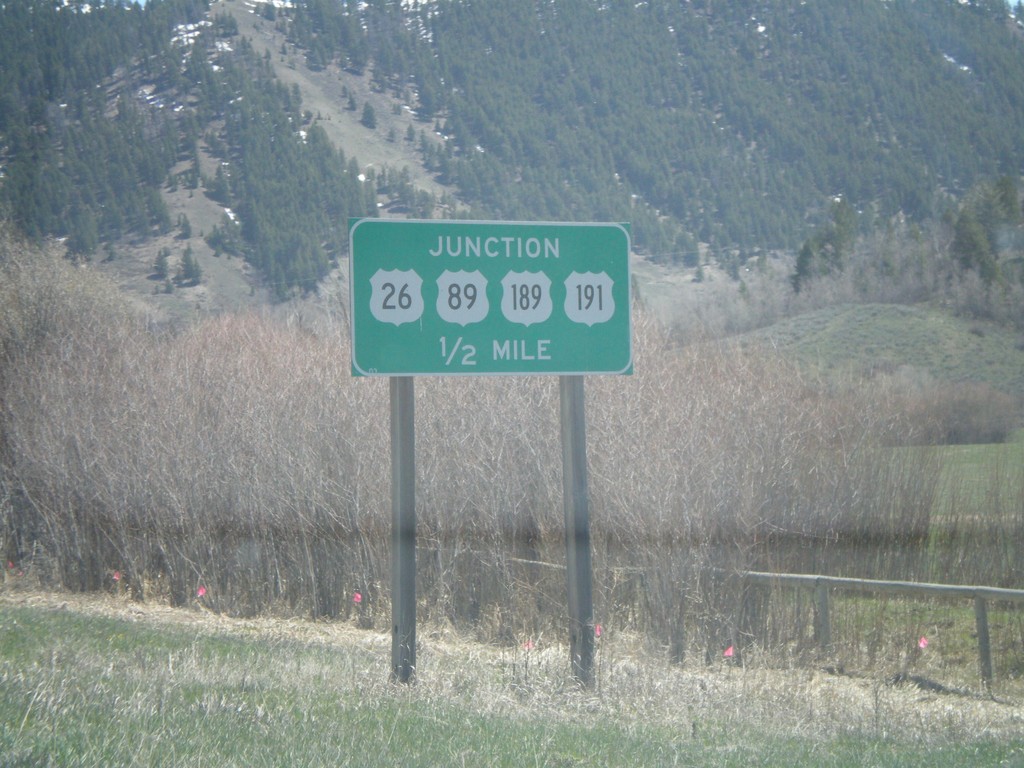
[917, 341]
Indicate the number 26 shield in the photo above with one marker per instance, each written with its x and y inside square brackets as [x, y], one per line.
[397, 296]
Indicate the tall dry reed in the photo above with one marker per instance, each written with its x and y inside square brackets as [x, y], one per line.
[239, 458]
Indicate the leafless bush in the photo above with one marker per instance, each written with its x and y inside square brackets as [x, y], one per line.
[240, 456]
[974, 413]
[933, 413]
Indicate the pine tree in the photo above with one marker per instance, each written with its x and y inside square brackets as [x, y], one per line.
[369, 118]
[160, 266]
[971, 245]
[189, 273]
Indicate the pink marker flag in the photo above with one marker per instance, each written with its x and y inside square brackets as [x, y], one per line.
[922, 643]
[201, 592]
[728, 652]
[357, 598]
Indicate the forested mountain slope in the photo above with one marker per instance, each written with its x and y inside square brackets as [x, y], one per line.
[735, 120]
[715, 128]
[172, 99]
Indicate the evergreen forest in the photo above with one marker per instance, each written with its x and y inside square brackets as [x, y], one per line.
[729, 129]
[732, 124]
[87, 148]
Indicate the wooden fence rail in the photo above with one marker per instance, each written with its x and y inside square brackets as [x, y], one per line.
[821, 585]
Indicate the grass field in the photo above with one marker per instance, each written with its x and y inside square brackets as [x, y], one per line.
[989, 477]
[99, 681]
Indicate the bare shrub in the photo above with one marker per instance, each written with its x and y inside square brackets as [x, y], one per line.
[241, 456]
[214, 458]
[711, 460]
[44, 302]
[956, 414]
[974, 413]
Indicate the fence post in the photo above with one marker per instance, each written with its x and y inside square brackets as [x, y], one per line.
[822, 623]
[984, 647]
[822, 585]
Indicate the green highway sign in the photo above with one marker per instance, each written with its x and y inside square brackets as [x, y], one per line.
[449, 297]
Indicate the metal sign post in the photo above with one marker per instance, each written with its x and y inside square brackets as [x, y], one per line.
[575, 502]
[403, 530]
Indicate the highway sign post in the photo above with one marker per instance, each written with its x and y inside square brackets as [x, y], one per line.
[458, 298]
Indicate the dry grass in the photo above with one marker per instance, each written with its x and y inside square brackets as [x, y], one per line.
[516, 685]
